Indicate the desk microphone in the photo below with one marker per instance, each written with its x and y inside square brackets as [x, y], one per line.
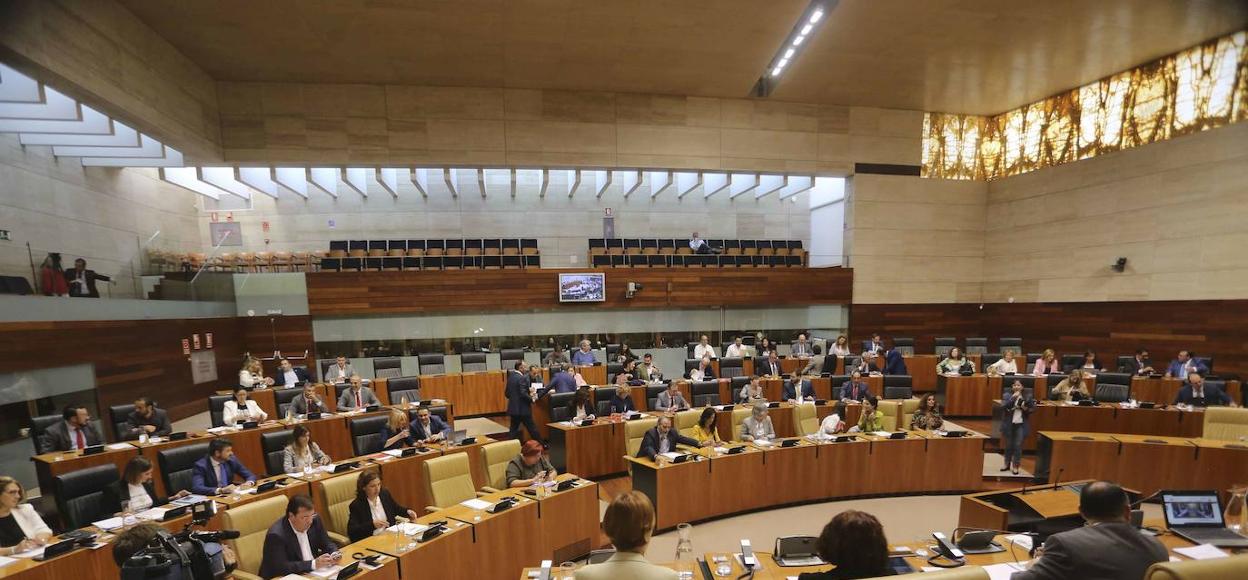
[1057, 480]
[1024, 491]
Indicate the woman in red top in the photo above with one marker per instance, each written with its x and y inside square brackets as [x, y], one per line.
[53, 276]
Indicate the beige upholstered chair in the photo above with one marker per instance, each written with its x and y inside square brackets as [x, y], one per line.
[339, 492]
[805, 420]
[738, 417]
[494, 459]
[686, 421]
[1226, 423]
[1216, 569]
[448, 480]
[892, 415]
[634, 432]
[252, 521]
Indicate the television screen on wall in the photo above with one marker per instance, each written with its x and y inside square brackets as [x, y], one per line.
[582, 288]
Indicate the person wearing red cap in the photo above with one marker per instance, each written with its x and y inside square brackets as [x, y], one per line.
[530, 466]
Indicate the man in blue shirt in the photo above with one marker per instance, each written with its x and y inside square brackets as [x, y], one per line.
[561, 380]
[215, 474]
[584, 356]
[1184, 365]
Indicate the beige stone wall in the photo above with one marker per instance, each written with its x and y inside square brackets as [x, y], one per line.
[915, 240]
[404, 125]
[1176, 210]
[102, 215]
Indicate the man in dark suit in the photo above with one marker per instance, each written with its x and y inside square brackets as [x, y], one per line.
[1108, 547]
[74, 433]
[561, 382]
[1184, 365]
[1198, 394]
[790, 392]
[662, 439]
[82, 281]
[894, 363]
[855, 389]
[289, 375]
[1140, 364]
[146, 418]
[429, 427]
[520, 402]
[769, 367]
[308, 402]
[874, 345]
[215, 474]
[298, 543]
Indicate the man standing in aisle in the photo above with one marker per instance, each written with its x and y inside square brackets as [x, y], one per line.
[520, 397]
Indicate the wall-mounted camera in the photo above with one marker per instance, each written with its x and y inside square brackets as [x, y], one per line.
[633, 289]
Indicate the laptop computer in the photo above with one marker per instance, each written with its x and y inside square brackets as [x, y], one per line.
[457, 437]
[1196, 515]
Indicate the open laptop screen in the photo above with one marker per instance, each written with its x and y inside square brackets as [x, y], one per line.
[1192, 509]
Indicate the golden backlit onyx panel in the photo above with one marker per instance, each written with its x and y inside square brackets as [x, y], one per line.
[1195, 90]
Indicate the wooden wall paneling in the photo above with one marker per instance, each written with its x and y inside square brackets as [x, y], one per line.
[922, 322]
[290, 334]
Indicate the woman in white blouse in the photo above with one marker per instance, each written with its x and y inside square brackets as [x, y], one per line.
[242, 409]
[21, 528]
[841, 346]
[137, 488]
[302, 453]
[1007, 364]
[252, 375]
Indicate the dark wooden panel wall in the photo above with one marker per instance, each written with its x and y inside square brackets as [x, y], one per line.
[333, 293]
[290, 334]
[1217, 328]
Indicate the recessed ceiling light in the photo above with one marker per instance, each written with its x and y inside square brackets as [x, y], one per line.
[818, 14]
[789, 53]
[806, 29]
[798, 41]
[775, 72]
[805, 25]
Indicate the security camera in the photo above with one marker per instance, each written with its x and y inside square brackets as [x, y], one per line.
[633, 288]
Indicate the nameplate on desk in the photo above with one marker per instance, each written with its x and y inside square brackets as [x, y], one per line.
[502, 505]
[57, 549]
[250, 425]
[843, 438]
[408, 452]
[341, 467]
[432, 532]
[1148, 405]
[955, 433]
[736, 450]
[789, 443]
[312, 416]
[897, 435]
[1086, 403]
[1081, 438]
[566, 485]
[372, 408]
[682, 458]
[821, 401]
[266, 486]
[348, 571]
[773, 405]
[586, 422]
[173, 513]
[725, 407]
[92, 449]
[633, 417]
[468, 441]
[177, 436]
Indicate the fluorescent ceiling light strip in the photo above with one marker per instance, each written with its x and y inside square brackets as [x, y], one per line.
[172, 158]
[92, 123]
[147, 148]
[56, 107]
[122, 136]
[818, 14]
[188, 178]
[223, 178]
[16, 87]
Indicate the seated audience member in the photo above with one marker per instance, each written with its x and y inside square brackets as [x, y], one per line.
[814, 366]
[1047, 364]
[530, 467]
[872, 418]
[867, 365]
[769, 367]
[373, 509]
[556, 357]
[1198, 394]
[790, 391]
[955, 363]
[704, 348]
[136, 487]
[1184, 365]
[765, 348]
[663, 439]
[699, 246]
[1091, 363]
[252, 375]
[927, 416]
[855, 389]
[706, 432]
[82, 280]
[582, 405]
[895, 363]
[875, 345]
[853, 542]
[1071, 388]
[146, 419]
[21, 528]
[1140, 364]
[758, 427]
[625, 355]
[242, 409]
[561, 380]
[298, 543]
[302, 453]
[736, 349]
[358, 396]
[704, 371]
[1107, 546]
[396, 432]
[647, 370]
[340, 371]
[1007, 364]
[672, 399]
[801, 348]
[832, 424]
[289, 375]
[308, 401]
[215, 473]
[840, 347]
[752, 392]
[622, 400]
[74, 433]
[628, 523]
[625, 376]
[429, 427]
[137, 537]
[584, 356]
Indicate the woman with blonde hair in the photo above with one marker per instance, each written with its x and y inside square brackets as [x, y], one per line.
[1071, 388]
[1047, 363]
[396, 432]
[252, 374]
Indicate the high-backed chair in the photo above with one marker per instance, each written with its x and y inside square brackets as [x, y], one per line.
[976, 345]
[403, 387]
[508, 357]
[117, 415]
[838, 381]
[1111, 393]
[738, 417]
[177, 463]
[448, 480]
[252, 522]
[634, 431]
[908, 407]
[686, 421]
[613, 368]
[689, 346]
[80, 493]
[892, 415]
[388, 367]
[339, 492]
[1215, 569]
[1123, 361]
[1226, 423]
[690, 364]
[472, 362]
[735, 384]
[612, 350]
[283, 398]
[431, 364]
[731, 367]
[1032, 357]
[366, 434]
[1207, 361]
[325, 363]
[1113, 378]
[602, 400]
[652, 395]
[706, 393]
[898, 392]
[806, 420]
[494, 459]
[904, 345]
[988, 359]
[1013, 343]
[559, 405]
[216, 409]
[1070, 361]
[944, 344]
[273, 445]
[38, 427]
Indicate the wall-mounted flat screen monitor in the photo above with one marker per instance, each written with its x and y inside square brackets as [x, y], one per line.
[582, 288]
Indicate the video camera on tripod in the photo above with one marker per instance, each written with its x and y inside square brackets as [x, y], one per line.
[186, 555]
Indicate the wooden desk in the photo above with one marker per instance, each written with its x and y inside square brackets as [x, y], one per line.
[568, 519]
[1107, 418]
[481, 393]
[594, 375]
[1150, 463]
[591, 452]
[785, 473]
[452, 554]
[405, 477]
[50, 465]
[922, 369]
[1143, 462]
[967, 396]
[1222, 464]
[1163, 390]
[505, 542]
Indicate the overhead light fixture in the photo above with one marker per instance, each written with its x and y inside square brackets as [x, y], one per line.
[812, 16]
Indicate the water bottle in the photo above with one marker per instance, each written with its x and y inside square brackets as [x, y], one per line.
[1236, 515]
[403, 401]
[684, 544]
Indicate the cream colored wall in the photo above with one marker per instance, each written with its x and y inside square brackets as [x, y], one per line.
[1177, 210]
[102, 215]
[915, 240]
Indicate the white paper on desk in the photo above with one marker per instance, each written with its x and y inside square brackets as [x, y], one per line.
[6, 561]
[327, 572]
[35, 553]
[881, 433]
[220, 430]
[721, 450]
[763, 443]
[292, 577]
[672, 455]
[119, 446]
[1021, 540]
[475, 504]
[189, 500]
[152, 514]
[409, 529]
[1202, 552]
[1004, 571]
[108, 524]
[394, 452]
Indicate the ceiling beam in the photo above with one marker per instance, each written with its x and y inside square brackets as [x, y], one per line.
[54, 107]
[574, 181]
[602, 180]
[659, 182]
[92, 122]
[223, 179]
[481, 181]
[356, 178]
[148, 148]
[420, 178]
[325, 179]
[630, 183]
[188, 178]
[450, 177]
[171, 158]
[388, 177]
[686, 182]
[120, 136]
[257, 178]
[796, 185]
[713, 183]
[545, 182]
[769, 184]
[292, 178]
[741, 183]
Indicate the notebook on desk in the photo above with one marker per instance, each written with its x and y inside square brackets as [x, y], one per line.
[1197, 516]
